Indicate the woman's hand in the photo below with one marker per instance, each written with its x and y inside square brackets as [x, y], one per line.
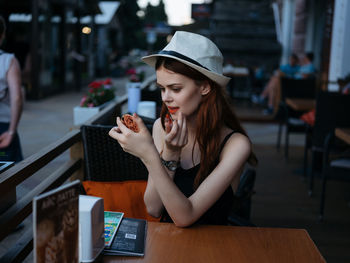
[138, 144]
[177, 137]
[6, 139]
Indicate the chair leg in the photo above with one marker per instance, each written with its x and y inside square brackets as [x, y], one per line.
[311, 174]
[305, 164]
[286, 145]
[279, 135]
[323, 195]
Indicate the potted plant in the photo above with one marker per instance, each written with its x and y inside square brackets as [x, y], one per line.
[99, 94]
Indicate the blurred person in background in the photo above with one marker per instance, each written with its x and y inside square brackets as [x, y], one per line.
[11, 103]
[307, 68]
[289, 70]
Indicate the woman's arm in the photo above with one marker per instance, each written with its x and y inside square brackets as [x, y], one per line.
[152, 199]
[185, 211]
[16, 104]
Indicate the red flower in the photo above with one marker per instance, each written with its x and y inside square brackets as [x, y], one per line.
[95, 84]
[107, 82]
[99, 92]
[131, 71]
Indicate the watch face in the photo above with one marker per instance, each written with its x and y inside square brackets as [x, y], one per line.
[172, 166]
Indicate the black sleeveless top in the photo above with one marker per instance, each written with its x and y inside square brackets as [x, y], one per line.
[218, 213]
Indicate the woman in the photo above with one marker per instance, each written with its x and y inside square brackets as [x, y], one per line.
[10, 103]
[198, 149]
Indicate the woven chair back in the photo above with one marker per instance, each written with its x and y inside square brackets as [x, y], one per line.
[105, 160]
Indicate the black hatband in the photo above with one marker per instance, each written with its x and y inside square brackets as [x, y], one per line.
[178, 55]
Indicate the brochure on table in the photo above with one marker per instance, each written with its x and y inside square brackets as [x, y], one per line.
[112, 222]
[56, 224]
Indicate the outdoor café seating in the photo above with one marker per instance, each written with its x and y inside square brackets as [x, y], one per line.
[286, 115]
[120, 178]
[331, 111]
[333, 168]
[117, 176]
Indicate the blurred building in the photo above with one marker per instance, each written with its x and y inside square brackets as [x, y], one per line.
[245, 32]
[61, 45]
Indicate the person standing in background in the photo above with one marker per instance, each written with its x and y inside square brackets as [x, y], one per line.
[11, 103]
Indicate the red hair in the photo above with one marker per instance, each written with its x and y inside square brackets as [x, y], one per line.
[214, 112]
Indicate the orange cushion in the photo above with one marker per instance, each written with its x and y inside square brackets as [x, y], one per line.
[126, 197]
[309, 117]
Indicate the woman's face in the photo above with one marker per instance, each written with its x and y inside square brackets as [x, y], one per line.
[180, 93]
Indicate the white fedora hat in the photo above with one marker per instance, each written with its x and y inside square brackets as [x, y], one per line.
[196, 51]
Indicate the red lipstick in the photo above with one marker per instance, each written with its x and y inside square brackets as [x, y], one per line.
[173, 110]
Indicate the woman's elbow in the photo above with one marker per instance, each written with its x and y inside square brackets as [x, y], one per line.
[183, 222]
[153, 212]
[151, 208]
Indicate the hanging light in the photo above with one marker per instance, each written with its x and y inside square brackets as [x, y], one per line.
[86, 30]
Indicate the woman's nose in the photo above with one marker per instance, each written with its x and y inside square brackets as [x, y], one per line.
[166, 96]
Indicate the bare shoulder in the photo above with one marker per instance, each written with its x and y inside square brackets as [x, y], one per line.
[14, 74]
[237, 143]
[14, 65]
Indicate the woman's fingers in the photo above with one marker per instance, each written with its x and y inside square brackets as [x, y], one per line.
[139, 122]
[177, 137]
[183, 136]
[114, 133]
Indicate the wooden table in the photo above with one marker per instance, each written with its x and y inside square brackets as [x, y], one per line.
[168, 243]
[343, 134]
[301, 104]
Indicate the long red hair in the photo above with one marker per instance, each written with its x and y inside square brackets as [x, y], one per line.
[214, 112]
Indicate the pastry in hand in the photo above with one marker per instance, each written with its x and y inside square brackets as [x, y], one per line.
[169, 121]
[129, 122]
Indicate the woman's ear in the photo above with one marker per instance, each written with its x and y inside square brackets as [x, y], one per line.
[206, 88]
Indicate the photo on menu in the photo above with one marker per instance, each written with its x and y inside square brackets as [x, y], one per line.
[56, 224]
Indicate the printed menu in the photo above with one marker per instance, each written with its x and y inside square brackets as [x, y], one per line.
[56, 224]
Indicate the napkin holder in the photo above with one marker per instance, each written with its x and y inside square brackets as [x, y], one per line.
[91, 228]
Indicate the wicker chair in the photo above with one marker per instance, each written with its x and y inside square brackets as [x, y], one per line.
[332, 110]
[333, 168]
[105, 160]
[240, 213]
[112, 174]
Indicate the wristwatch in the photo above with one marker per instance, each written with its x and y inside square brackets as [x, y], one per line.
[170, 165]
